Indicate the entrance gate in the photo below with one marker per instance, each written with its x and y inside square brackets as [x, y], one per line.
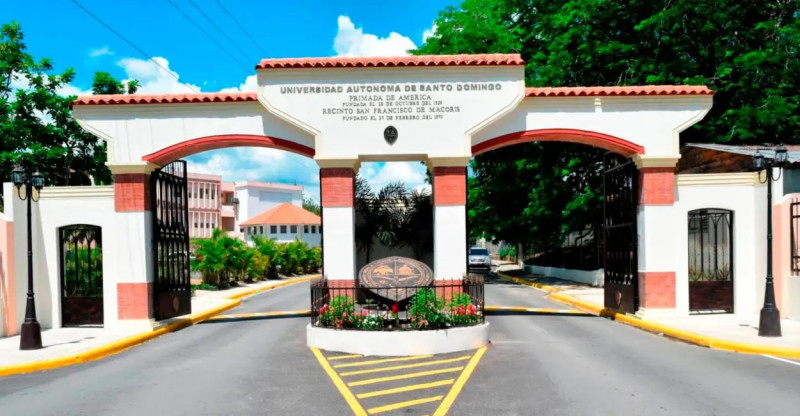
[172, 292]
[620, 238]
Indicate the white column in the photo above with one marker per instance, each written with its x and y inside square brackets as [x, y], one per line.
[449, 220]
[338, 218]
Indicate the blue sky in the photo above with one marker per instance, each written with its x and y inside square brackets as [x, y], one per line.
[60, 30]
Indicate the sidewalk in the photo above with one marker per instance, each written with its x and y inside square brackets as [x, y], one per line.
[65, 346]
[722, 331]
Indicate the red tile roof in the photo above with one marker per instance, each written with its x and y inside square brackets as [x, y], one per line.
[393, 61]
[216, 97]
[285, 214]
[618, 91]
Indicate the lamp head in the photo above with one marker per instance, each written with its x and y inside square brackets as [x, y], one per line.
[18, 176]
[781, 155]
[37, 180]
[758, 162]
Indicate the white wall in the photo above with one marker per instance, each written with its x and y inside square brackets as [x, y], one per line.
[747, 200]
[312, 239]
[254, 200]
[588, 277]
[124, 256]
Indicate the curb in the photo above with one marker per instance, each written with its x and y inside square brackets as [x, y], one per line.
[133, 340]
[656, 328]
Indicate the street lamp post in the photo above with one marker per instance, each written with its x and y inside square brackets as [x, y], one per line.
[769, 324]
[31, 333]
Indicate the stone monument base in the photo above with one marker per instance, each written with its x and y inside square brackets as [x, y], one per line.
[398, 343]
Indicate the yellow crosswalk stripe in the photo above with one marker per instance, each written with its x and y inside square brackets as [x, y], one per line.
[344, 357]
[400, 405]
[400, 367]
[404, 376]
[385, 360]
[406, 388]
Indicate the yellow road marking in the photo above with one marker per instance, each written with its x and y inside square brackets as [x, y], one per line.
[462, 379]
[348, 396]
[400, 405]
[301, 312]
[344, 357]
[400, 367]
[406, 388]
[404, 376]
[385, 360]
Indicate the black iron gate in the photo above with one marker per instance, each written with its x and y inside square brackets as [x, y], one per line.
[620, 238]
[81, 269]
[710, 260]
[172, 294]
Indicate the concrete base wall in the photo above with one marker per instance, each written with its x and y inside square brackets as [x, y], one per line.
[589, 277]
[398, 343]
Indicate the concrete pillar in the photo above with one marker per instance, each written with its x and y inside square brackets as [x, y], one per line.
[134, 278]
[337, 194]
[656, 219]
[449, 220]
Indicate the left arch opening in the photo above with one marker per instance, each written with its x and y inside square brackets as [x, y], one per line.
[202, 144]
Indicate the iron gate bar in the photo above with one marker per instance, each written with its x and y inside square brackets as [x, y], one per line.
[795, 229]
[81, 299]
[620, 236]
[172, 286]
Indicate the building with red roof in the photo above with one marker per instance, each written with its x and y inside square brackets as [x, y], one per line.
[285, 222]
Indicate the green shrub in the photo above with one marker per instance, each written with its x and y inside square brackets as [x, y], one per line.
[339, 313]
[427, 310]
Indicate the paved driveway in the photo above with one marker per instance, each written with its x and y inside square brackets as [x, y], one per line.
[542, 365]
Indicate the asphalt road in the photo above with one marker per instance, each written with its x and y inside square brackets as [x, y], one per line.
[536, 365]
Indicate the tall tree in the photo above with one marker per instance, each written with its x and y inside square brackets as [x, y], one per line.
[105, 83]
[746, 51]
[36, 124]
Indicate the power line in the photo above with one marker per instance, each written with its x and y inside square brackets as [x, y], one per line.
[200, 28]
[236, 45]
[138, 49]
[241, 28]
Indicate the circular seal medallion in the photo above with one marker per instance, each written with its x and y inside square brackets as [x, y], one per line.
[390, 134]
[395, 278]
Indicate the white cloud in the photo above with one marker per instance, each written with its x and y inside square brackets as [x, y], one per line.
[152, 77]
[250, 84]
[379, 174]
[102, 51]
[352, 41]
[428, 33]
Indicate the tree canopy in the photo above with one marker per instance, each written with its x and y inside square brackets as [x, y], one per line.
[747, 52]
[36, 125]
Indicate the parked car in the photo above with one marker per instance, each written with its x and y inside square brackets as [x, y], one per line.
[479, 259]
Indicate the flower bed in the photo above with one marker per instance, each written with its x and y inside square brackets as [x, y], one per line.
[447, 304]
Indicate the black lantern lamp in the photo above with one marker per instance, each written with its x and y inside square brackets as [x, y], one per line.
[31, 332]
[769, 324]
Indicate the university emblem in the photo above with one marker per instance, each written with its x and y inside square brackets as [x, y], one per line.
[395, 278]
[390, 134]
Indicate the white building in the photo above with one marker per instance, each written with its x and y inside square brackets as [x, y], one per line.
[257, 197]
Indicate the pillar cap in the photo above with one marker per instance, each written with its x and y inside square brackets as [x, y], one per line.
[144, 167]
[457, 161]
[664, 161]
[354, 164]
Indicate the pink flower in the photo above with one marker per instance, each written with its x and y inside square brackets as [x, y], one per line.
[364, 312]
[472, 309]
[344, 314]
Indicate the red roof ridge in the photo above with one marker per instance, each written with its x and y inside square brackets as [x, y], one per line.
[618, 91]
[205, 97]
[393, 61]
[285, 213]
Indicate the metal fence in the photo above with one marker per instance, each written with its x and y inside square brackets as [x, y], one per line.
[446, 304]
[795, 230]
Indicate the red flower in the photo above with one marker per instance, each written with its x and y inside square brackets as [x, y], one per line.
[395, 308]
[472, 309]
[461, 310]
[344, 314]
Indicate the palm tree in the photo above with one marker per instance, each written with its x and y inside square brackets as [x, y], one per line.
[416, 227]
[380, 214]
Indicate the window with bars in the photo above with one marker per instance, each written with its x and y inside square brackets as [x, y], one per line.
[305, 229]
[293, 229]
[283, 229]
[273, 229]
